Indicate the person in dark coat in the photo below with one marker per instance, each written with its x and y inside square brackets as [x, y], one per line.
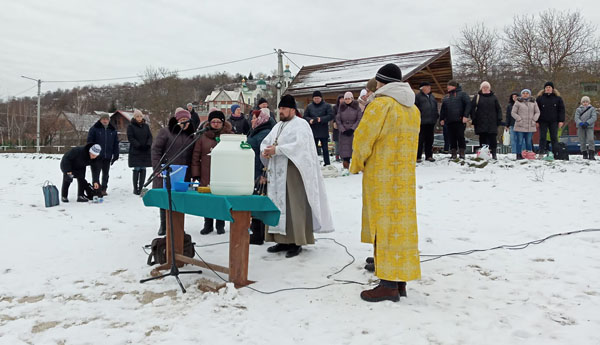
[73, 165]
[201, 159]
[318, 114]
[347, 119]
[486, 114]
[104, 134]
[510, 121]
[193, 116]
[455, 111]
[335, 133]
[140, 143]
[428, 107]
[262, 123]
[238, 121]
[169, 142]
[552, 116]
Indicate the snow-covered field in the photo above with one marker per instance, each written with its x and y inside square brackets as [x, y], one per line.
[69, 274]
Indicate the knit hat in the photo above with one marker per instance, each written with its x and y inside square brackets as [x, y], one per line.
[525, 90]
[189, 105]
[317, 94]
[234, 108]
[585, 99]
[453, 82]
[425, 83]
[95, 149]
[288, 101]
[389, 73]
[372, 85]
[262, 117]
[103, 115]
[363, 92]
[137, 112]
[261, 101]
[216, 114]
[549, 83]
[348, 95]
[181, 113]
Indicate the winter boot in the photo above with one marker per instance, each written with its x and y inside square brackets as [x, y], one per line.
[584, 154]
[430, 159]
[220, 227]
[461, 153]
[258, 232]
[64, 199]
[293, 250]
[346, 164]
[141, 180]
[279, 247]
[370, 260]
[402, 289]
[163, 223]
[136, 178]
[494, 156]
[591, 155]
[381, 293]
[519, 156]
[82, 198]
[370, 267]
[208, 226]
[453, 154]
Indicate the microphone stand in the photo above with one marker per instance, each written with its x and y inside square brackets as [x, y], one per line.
[175, 272]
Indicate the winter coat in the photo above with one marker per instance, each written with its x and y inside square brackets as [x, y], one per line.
[106, 138]
[486, 113]
[590, 116]
[335, 133]
[323, 111]
[525, 112]
[384, 149]
[510, 121]
[255, 137]
[428, 107]
[204, 145]
[347, 118]
[455, 105]
[552, 107]
[172, 135]
[140, 144]
[239, 125]
[195, 119]
[76, 159]
[271, 113]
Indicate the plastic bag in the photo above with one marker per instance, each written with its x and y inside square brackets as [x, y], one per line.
[484, 152]
[506, 137]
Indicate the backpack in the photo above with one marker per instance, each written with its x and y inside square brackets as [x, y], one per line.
[562, 152]
[158, 249]
[50, 194]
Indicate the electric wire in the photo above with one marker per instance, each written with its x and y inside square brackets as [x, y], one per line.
[292, 61]
[316, 56]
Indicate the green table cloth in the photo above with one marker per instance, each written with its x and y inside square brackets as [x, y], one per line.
[215, 206]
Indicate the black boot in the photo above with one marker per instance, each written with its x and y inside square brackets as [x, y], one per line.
[136, 177]
[208, 226]
[402, 289]
[591, 155]
[293, 250]
[220, 227]
[453, 154]
[519, 156]
[258, 232]
[163, 223]
[141, 180]
[461, 153]
[584, 154]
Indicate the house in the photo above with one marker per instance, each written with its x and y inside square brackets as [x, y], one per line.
[223, 100]
[120, 119]
[73, 128]
[335, 78]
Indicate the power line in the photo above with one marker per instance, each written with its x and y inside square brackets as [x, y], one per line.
[292, 61]
[16, 94]
[316, 56]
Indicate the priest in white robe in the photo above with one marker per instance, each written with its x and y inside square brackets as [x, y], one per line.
[294, 182]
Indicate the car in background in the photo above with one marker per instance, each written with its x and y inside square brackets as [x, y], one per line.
[123, 146]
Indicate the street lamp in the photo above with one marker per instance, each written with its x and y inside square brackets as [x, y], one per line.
[37, 139]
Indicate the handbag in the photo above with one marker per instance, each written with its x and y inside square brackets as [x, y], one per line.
[158, 249]
[50, 194]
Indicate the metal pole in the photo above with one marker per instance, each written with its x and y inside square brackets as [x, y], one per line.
[37, 149]
[279, 72]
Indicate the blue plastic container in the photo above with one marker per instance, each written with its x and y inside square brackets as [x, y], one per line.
[181, 186]
[177, 175]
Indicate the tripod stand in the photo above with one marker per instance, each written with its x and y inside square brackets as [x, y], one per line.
[174, 269]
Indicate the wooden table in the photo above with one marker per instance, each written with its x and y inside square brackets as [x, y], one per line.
[236, 209]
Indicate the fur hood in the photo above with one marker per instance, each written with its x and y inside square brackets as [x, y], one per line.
[554, 91]
[212, 134]
[175, 128]
[353, 105]
[528, 99]
[400, 91]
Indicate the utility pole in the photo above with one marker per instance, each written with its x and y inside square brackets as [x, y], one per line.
[37, 139]
[279, 84]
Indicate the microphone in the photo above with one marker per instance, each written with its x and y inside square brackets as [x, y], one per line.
[200, 131]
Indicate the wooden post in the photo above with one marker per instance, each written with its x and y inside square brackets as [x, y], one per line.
[178, 232]
[239, 243]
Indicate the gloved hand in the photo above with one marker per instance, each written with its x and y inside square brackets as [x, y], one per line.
[113, 160]
[583, 124]
[69, 177]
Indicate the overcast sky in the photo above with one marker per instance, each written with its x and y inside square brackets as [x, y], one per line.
[81, 39]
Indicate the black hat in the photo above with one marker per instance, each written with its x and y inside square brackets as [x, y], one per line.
[549, 83]
[453, 82]
[261, 101]
[317, 94]
[216, 114]
[288, 101]
[389, 73]
[425, 83]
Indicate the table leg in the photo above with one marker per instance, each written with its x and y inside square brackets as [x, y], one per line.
[178, 232]
[239, 243]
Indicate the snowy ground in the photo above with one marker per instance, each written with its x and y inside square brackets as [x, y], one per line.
[69, 274]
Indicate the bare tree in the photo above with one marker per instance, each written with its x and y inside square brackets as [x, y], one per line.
[478, 49]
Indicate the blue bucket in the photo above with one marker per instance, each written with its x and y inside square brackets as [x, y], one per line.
[177, 175]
